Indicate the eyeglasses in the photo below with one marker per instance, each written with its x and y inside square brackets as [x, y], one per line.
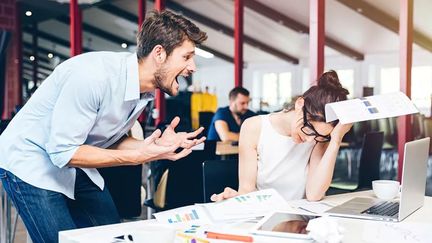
[309, 130]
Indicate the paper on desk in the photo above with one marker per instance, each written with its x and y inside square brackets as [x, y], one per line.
[311, 207]
[370, 108]
[184, 216]
[250, 205]
[374, 232]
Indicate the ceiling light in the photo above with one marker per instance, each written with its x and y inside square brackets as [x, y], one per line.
[28, 13]
[32, 58]
[50, 55]
[202, 53]
[124, 45]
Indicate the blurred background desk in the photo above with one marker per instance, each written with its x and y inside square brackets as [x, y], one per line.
[226, 148]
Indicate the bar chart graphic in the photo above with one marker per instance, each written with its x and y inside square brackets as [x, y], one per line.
[184, 217]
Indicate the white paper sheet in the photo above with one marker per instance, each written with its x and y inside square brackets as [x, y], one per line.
[184, 216]
[250, 205]
[370, 108]
[311, 207]
[374, 232]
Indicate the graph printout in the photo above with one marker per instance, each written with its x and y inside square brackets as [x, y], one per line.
[370, 108]
[250, 205]
[184, 215]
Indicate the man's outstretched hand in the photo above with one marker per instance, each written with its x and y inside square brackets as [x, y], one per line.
[186, 139]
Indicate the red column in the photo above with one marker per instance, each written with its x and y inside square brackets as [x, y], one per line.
[316, 39]
[10, 21]
[75, 28]
[238, 42]
[405, 39]
[141, 12]
[159, 5]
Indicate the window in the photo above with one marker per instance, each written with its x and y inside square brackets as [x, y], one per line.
[421, 88]
[346, 78]
[390, 81]
[421, 85]
[276, 90]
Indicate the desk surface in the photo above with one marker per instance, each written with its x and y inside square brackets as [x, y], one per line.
[354, 228]
[226, 148]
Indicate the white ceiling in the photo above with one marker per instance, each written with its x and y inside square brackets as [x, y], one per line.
[342, 24]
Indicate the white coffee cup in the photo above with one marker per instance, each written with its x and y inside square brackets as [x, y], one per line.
[386, 189]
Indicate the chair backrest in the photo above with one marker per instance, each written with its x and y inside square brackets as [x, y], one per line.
[185, 179]
[370, 158]
[218, 174]
[205, 118]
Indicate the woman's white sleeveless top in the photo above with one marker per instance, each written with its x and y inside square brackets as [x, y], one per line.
[282, 164]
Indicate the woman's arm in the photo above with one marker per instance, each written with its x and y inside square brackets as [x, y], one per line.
[322, 163]
[248, 154]
[248, 160]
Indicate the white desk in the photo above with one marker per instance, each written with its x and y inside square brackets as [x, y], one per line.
[353, 234]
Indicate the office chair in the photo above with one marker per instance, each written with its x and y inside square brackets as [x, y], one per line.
[181, 184]
[218, 174]
[369, 165]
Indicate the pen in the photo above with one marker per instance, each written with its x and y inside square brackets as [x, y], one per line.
[244, 238]
[192, 238]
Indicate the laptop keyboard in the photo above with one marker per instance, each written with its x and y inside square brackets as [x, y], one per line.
[383, 208]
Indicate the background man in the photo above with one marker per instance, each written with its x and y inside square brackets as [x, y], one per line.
[226, 122]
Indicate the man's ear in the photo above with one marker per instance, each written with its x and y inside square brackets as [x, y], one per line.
[299, 103]
[159, 54]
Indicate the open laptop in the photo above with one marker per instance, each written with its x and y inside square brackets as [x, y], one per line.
[411, 196]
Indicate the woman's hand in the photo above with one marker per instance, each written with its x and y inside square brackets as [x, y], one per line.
[227, 193]
[340, 130]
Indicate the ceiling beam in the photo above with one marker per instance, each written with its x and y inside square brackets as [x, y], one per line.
[45, 51]
[230, 32]
[206, 21]
[116, 11]
[384, 19]
[41, 64]
[217, 53]
[52, 38]
[299, 27]
[98, 32]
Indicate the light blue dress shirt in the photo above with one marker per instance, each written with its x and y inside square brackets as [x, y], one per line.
[92, 99]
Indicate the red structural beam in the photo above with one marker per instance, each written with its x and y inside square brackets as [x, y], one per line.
[406, 41]
[141, 12]
[160, 105]
[75, 28]
[238, 42]
[316, 39]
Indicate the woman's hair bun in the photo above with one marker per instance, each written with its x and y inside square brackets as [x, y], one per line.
[329, 79]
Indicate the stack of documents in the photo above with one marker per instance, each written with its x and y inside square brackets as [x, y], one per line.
[251, 205]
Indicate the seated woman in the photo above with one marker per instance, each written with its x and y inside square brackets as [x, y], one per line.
[293, 151]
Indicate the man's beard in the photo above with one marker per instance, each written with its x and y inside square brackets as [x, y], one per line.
[159, 77]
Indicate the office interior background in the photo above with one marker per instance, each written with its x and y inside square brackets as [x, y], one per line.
[362, 44]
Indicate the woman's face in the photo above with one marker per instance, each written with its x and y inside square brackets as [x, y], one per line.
[303, 129]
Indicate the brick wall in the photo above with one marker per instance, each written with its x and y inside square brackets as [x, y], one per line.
[8, 21]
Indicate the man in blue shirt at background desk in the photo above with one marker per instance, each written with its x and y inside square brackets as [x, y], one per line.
[226, 122]
[77, 121]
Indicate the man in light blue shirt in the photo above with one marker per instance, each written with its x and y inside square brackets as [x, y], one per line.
[77, 121]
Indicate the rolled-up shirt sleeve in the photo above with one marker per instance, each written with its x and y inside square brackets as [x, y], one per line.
[73, 116]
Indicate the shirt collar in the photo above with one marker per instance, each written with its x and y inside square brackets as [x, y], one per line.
[132, 81]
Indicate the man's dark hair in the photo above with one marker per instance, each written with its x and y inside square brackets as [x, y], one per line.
[168, 30]
[238, 90]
